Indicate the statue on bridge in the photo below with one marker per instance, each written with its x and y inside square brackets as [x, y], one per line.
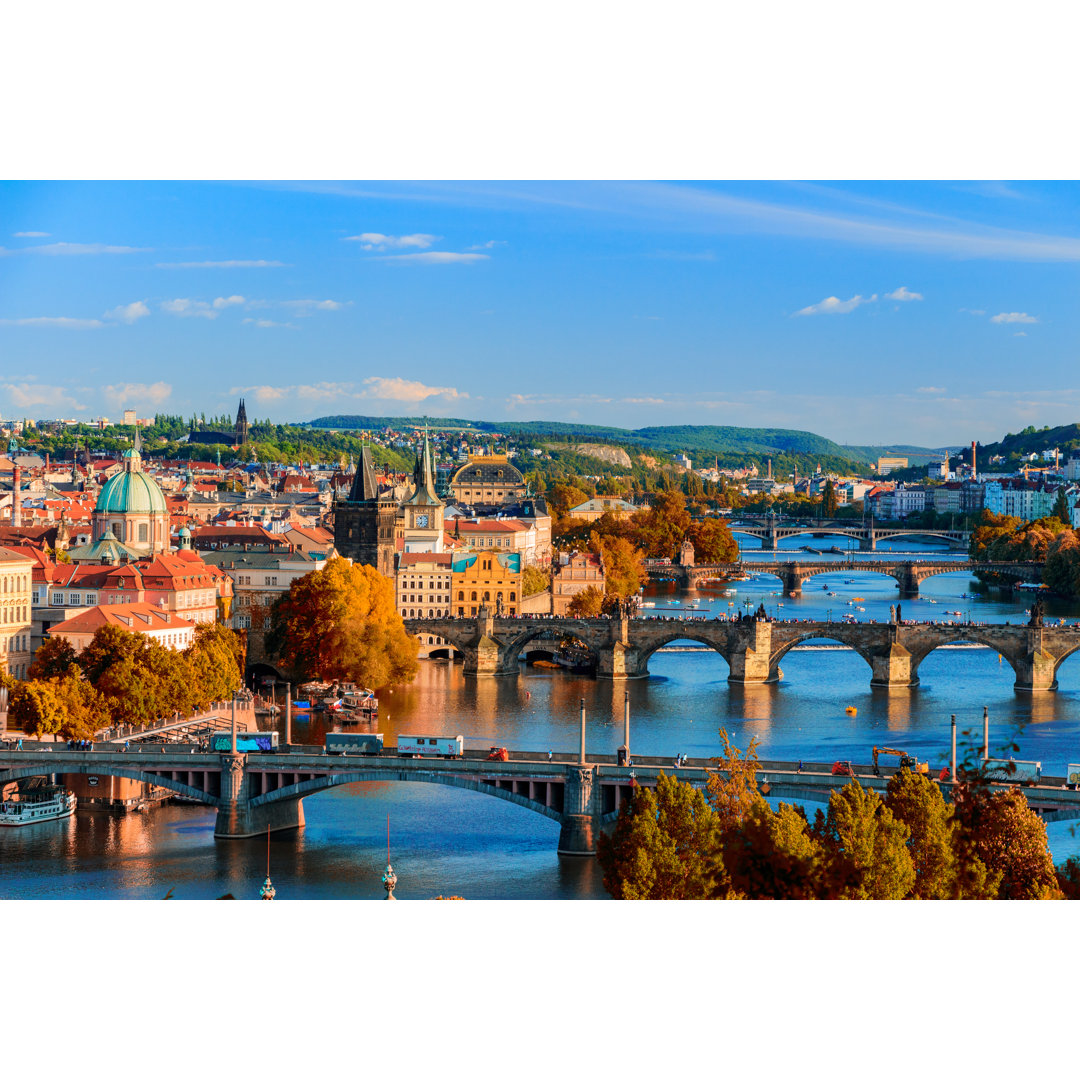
[761, 614]
[1037, 612]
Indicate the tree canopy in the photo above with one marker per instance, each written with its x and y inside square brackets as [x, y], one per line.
[341, 622]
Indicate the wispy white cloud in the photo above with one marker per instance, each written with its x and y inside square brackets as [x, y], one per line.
[1013, 317]
[64, 248]
[29, 235]
[137, 393]
[222, 264]
[227, 301]
[396, 389]
[486, 245]
[300, 308]
[267, 324]
[973, 311]
[61, 321]
[189, 309]
[832, 305]
[31, 395]
[434, 257]
[1020, 333]
[128, 313]
[373, 241]
[931, 390]
[903, 293]
[375, 388]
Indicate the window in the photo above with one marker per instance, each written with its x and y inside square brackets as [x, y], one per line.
[74, 599]
[91, 598]
[58, 598]
[142, 534]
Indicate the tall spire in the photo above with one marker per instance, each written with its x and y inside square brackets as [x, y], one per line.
[364, 487]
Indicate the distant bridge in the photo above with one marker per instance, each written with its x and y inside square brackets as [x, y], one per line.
[868, 534]
[908, 574]
[753, 648]
[257, 793]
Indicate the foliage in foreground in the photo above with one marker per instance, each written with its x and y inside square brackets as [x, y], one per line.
[677, 843]
[123, 678]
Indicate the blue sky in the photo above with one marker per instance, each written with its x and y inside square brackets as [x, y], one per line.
[868, 312]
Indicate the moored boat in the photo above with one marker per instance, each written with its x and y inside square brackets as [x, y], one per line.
[49, 802]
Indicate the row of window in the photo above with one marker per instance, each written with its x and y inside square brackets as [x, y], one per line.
[419, 599]
[16, 584]
[17, 614]
[18, 643]
[245, 579]
[487, 595]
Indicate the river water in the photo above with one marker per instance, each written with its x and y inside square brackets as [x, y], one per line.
[450, 842]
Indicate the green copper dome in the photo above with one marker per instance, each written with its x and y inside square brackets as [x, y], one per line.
[131, 491]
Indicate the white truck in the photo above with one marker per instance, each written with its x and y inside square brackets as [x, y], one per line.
[354, 742]
[1009, 771]
[430, 746]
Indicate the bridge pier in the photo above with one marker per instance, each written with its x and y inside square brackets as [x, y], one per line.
[868, 543]
[892, 668]
[580, 822]
[750, 658]
[792, 582]
[621, 661]
[237, 818]
[1037, 671]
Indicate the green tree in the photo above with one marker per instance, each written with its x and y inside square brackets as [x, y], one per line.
[917, 802]
[533, 581]
[774, 856]
[829, 500]
[665, 846]
[713, 542]
[861, 834]
[1061, 508]
[35, 707]
[587, 604]
[55, 656]
[341, 622]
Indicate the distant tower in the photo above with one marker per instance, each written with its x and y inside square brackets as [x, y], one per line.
[242, 425]
[364, 520]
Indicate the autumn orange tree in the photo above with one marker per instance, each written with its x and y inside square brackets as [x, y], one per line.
[341, 622]
[987, 844]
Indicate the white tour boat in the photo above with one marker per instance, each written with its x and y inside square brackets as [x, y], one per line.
[38, 804]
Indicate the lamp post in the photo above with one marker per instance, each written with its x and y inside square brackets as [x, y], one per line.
[232, 746]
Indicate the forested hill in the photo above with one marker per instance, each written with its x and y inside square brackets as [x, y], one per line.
[1033, 440]
[701, 442]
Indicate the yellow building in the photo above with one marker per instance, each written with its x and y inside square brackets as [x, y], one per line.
[486, 579]
[16, 571]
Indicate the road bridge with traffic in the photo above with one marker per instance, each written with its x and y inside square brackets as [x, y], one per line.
[753, 648]
[257, 793]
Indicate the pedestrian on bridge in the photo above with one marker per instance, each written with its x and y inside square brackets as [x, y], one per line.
[550, 755]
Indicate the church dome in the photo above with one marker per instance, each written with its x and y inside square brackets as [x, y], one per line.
[131, 491]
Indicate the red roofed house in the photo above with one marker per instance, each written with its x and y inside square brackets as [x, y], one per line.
[161, 626]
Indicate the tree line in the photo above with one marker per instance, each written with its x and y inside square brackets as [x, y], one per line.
[1049, 540]
[679, 843]
[123, 678]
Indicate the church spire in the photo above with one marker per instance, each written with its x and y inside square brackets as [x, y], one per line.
[364, 487]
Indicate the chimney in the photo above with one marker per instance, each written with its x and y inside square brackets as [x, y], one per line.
[46, 463]
[974, 471]
[16, 497]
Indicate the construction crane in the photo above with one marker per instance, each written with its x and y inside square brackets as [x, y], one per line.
[906, 760]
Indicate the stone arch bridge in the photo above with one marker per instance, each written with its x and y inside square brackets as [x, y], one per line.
[753, 648]
[908, 574]
[868, 534]
[258, 793]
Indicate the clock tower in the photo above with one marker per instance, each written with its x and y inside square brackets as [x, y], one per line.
[423, 509]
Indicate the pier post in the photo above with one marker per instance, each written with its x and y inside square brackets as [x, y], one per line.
[986, 733]
[952, 773]
[1035, 672]
[892, 667]
[751, 649]
[579, 825]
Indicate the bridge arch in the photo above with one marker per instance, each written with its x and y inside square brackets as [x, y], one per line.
[968, 635]
[683, 631]
[41, 768]
[368, 774]
[839, 637]
[586, 635]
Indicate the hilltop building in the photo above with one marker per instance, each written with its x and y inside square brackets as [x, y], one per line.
[487, 480]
